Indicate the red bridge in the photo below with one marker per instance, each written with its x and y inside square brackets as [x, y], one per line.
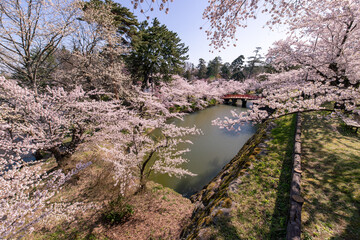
[243, 97]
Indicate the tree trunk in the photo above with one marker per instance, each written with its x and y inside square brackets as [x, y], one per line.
[142, 171]
[39, 154]
[59, 157]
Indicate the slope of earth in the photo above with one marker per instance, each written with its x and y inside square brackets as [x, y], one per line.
[156, 213]
[160, 213]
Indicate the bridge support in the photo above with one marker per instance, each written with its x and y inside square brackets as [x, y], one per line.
[243, 97]
[243, 104]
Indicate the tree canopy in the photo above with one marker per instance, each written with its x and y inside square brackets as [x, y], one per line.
[237, 67]
[30, 32]
[156, 54]
[225, 71]
[124, 20]
[254, 61]
[316, 67]
[201, 67]
[214, 67]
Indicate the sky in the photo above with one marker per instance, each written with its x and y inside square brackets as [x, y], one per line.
[185, 18]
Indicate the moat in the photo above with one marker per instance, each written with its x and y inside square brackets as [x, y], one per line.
[210, 151]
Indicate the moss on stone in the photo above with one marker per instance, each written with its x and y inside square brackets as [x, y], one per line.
[219, 213]
[211, 186]
[227, 203]
[252, 158]
[211, 199]
[207, 220]
[247, 164]
[256, 151]
[200, 222]
[208, 196]
[242, 172]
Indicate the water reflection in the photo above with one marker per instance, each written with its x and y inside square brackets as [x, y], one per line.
[210, 152]
[190, 185]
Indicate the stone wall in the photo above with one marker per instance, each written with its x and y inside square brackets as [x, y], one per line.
[213, 201]
[293, 230]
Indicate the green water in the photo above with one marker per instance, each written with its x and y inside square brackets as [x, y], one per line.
[209, 152]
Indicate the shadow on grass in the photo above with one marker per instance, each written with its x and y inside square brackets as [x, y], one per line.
[348, 131]
[66, 230]
[265, 192]
[281, 211]
[226, 229]
[332, 179]
[96, 187]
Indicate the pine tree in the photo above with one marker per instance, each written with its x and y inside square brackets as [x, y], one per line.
[213, 69]
[125, 21]
[157, 54]
[201, 69]
[254, 61]
[237, 68]
[225, 71]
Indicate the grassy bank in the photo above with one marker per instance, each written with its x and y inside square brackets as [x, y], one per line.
[263, 198]
[249, 199]
[331, 180]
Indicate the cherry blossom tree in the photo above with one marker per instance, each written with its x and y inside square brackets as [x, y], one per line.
[317, 64]
[149, 142]
[226, 16]
[139, 140]
[136, 137]
[48, 118]
[25, 195]
[197, 94]
[180, 93]
[32, 33]
[28, 122]
[150, 6]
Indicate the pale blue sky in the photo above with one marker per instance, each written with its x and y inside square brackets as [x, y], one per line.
[185, 18]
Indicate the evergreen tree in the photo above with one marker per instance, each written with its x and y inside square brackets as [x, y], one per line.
[225, 71]
[237, 68]
[254, 61]
[156, 55]
[213, 69]
[124, 20]
[201, 67]
[188, 70]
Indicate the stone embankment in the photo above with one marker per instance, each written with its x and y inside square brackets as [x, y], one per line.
[214, 201]
[296, 201]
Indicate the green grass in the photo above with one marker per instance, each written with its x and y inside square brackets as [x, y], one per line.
[263, 199]
[61, 234]
[331, 180]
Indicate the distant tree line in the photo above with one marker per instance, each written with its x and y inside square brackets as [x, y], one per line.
[238, 70]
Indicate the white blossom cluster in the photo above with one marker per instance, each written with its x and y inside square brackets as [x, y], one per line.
[29, 122]
[317, 65]
[197, 93]
[136, 137]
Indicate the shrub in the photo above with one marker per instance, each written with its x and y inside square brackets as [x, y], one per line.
[118, 211]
